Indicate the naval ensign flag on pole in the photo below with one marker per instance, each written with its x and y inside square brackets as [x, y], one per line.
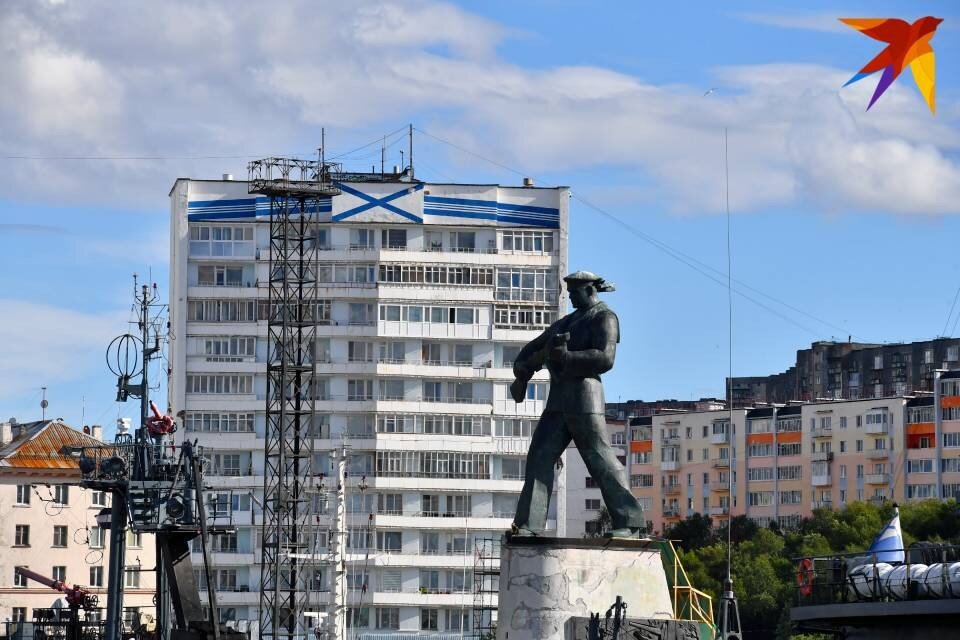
[888, 545]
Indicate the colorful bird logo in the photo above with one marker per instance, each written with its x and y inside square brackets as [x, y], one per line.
[907, 44]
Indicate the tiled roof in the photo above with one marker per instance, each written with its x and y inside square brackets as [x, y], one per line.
[36, 450]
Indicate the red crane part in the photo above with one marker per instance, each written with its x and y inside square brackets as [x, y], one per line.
[76, 595]
[159, 425]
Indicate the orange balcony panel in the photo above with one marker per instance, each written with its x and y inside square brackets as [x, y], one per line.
[921, 429]
[641, 446]
[789, 437]
[950, 401]
[760, 438]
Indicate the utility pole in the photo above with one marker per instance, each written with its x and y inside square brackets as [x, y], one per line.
[338, 618]
[410, 147]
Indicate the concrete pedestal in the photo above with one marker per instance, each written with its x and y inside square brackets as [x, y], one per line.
[544, 582]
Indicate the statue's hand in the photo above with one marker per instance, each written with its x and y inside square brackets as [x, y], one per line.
[558, 355]
[518, 390]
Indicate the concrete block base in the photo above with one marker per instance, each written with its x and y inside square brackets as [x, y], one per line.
[544, 582]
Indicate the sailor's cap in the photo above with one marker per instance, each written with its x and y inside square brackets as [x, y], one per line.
[584, 277]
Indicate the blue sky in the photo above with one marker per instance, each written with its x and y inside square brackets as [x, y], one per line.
[850, 218]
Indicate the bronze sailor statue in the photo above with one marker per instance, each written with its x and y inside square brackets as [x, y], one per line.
[576, 350]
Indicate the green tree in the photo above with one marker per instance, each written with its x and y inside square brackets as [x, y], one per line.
[692, 533]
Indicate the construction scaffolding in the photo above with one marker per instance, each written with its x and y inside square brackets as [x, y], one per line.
[486, 586]
[298, 191]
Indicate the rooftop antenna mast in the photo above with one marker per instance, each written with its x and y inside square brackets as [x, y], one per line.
[43, 403]
[297, 190]
[729, 627]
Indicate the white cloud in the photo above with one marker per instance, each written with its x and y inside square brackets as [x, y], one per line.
[44, 345]
[823, 21]
[177, 79]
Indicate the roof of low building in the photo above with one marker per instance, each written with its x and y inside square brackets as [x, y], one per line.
[36, 451]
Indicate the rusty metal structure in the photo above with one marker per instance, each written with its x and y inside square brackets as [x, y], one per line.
[298, 190]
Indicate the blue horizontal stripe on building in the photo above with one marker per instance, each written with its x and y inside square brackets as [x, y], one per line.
[492, 210]
[239, 208]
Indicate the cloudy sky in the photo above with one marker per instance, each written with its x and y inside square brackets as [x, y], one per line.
[845, 222]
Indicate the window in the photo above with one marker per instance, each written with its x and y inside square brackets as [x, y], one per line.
[760, 498]
[213, 422]
[362, 239]
[843, 446]
[537, 391]
[219, 384]
[393, 239]
[859, 470]
[59, 573]
[525, 317]
[134, 539]
[59, 535]
[527, 241]
[592, 504]
[216, 241]
[429, 619]
[951, 440]
[21, 536]
[389, 541]
[526, 284]
[359, 390]
[458, 620]
[921, 491]
[358, 617]
[23, 494]
[843, 422]
[430, 540]
[950, 465]
[388, 618]
[61, 494]
[219, 275]
[859, 445]
[463, 241]
[792, 472]
[513, 468]
[99, 498]
[18, 579]
[433, 241]
[96, 576]
[18, 614]
[760, 473]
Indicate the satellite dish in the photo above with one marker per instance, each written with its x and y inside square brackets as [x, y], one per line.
[44, 404]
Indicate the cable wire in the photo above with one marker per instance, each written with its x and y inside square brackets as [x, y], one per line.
[691, 262]
[950, 314]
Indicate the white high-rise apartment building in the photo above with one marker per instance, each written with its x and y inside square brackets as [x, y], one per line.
[427, 291]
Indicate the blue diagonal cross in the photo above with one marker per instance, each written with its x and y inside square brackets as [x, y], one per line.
[372, 202]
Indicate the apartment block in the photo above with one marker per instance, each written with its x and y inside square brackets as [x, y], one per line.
[427, 293]
[777, 464]
[851, 370]
[639, 408]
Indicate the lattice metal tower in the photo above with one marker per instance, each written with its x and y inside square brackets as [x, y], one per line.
[297, 190]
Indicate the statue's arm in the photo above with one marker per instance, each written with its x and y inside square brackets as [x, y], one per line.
[605, 333]
[530, 359]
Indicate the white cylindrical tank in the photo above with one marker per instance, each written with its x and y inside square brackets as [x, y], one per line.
[866, 581]
[895, 582]
[942, 580]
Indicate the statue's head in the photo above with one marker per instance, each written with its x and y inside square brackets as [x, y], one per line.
[583, 287]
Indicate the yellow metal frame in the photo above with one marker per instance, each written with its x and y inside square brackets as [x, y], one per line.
[689, 603]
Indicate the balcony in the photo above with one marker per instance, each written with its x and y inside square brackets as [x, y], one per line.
[719, 438]
[821, 433]
[877, 478]
[671, 490]
[671, 512]
[877, 454]
[876, 501]
[822, 481]
[821, 456]
[822, 504]
[720, 486]
[720, 463]
[876, 429]
[719, 511]
[669, 465]
[670, 441]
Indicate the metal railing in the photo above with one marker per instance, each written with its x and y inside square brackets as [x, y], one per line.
[864, 577]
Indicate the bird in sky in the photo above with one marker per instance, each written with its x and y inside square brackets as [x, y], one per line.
[907, 44]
